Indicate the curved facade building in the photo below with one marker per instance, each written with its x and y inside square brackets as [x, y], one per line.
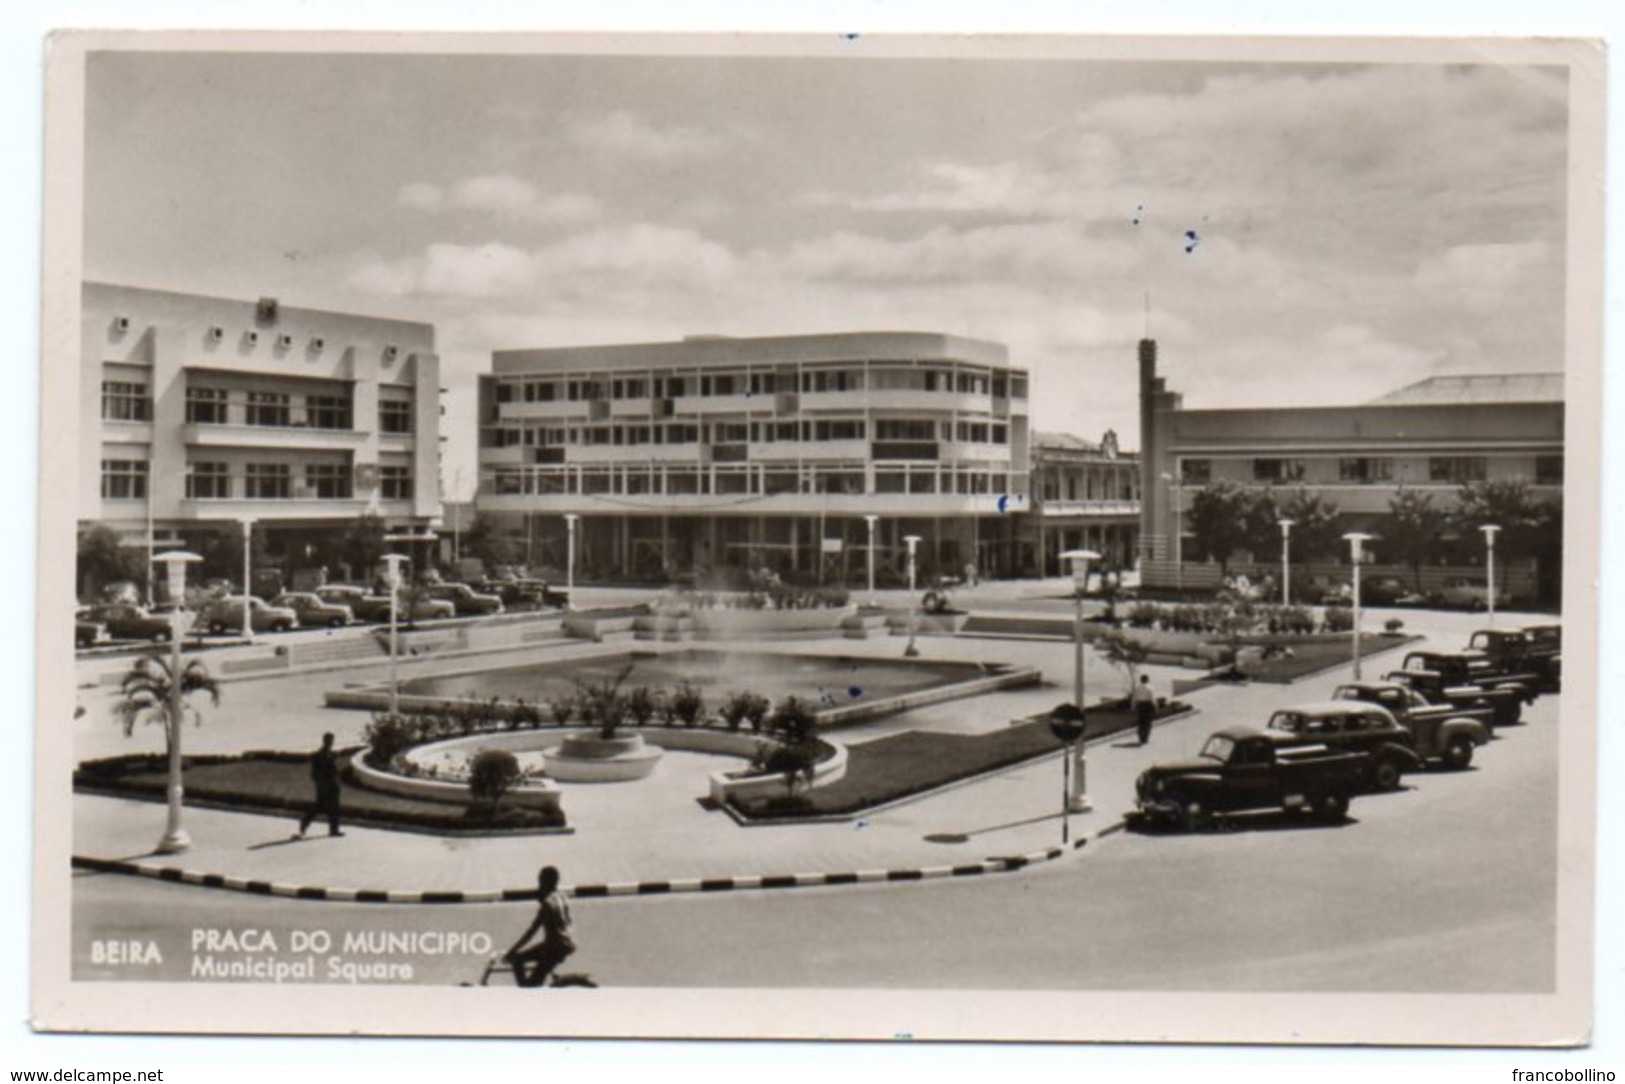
[770, 452]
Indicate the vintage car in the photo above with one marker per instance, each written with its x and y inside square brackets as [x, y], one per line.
[313, 611]
[467, 601]
[1537, 651]
[127, 621]
[1506, 705]
[86, 633]
[225, 615]
[1454, 669]
[1467, 594]
[1351, 727]
[1242, 769]
[1439, 732]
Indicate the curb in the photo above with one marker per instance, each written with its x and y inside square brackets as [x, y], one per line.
[177, 875]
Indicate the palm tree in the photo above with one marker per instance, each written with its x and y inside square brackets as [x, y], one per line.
[148, 694]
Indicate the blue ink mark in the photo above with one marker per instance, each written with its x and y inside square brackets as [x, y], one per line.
[854, 691]
[1139, 213]
[850, 36]
[1192, 239]
[1004, 501]
[860, 825]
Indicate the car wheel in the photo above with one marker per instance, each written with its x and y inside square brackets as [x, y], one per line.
[218, 628]
[336, 623]
[1386, 774]
[1331, 807]
[1192, 817]
[1459, 753]
[161, 636]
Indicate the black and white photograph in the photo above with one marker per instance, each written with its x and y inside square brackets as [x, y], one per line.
[820, 536]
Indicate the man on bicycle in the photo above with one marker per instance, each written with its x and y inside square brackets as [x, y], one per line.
[532, 966]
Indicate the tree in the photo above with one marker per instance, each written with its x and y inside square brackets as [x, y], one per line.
[1509, 504]
[146, 691]
[1125, 651]
[795, 755]
[102, 560]
[1316, 532]
[364, 544]
[483, 539]
[1412, 532]
[1262, 524]
[1217, 520]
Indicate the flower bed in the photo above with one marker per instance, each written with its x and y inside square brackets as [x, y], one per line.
[917, 762]
[278, 784]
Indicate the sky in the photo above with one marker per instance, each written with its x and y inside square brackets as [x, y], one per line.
[1289, 233]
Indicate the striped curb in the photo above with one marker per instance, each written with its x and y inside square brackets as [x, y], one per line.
[176, 875]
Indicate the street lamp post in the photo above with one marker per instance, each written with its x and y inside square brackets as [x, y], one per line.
[175, 838]
[909, 652]
[248, 549]
[1490, 530]
[1286, 561]
[871, 520]
[1356, 541]
[1178, 547]
[1077, 800]
[393, 560]
[570, 519]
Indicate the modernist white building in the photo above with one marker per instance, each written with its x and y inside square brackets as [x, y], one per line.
[713, 452]
[197, 413]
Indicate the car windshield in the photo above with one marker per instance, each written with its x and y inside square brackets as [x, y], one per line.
[1218, 748]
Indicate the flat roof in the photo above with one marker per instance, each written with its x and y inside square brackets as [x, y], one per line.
[722, 350]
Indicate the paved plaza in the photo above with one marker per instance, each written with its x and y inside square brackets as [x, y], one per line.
[658, 830]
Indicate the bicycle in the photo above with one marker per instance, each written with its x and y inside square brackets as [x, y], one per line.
[499, 965]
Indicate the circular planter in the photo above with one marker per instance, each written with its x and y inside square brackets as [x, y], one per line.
[588, 758]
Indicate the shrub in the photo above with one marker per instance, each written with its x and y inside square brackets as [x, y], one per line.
[685, 704]
[642, 704]
[794, 720]
[1144, 615]
[492, 774]
[744, 706]
[1338, 619]
[524, 715]
[388, 736]
[1393, 624]
[562, 708]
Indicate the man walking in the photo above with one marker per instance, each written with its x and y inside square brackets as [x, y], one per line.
[1145, 707]
[324, 772]
[532, 966]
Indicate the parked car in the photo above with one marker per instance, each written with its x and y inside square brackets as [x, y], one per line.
[1505, 705]
[1243, 769]
[1384, 591]
[225, 615]
[1467, 594]
[468, 602]
[416, 606]
[313, 612]
[1519, 651]
[1351, 727]
[127, 621]
[1460, 668]
[363, 604]
[1446, 733]
[86, 633]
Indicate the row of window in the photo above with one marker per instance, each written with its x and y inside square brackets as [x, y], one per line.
[749, 481]
[885, 429]
[126, 479]
[130, 401]
[1000, 385]
[1372, 470]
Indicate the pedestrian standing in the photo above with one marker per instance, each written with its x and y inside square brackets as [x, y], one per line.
[324, 772]
[1145, 707]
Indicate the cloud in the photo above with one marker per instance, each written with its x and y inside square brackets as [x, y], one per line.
[622, 134]
[466, 272]
[503, 196]
[1482, 275]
